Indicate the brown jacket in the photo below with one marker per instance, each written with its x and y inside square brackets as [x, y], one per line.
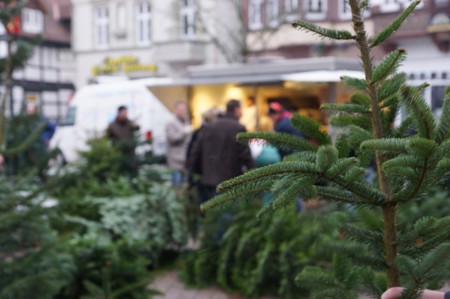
[121, 134]
[217, 156]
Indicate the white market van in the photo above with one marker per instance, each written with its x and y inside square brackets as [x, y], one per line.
[93, 107]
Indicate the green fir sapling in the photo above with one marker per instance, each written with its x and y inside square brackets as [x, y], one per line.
[18, 53]
[410, 158]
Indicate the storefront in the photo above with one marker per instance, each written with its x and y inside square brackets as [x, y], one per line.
[301, 85]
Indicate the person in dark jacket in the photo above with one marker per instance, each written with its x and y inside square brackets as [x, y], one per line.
[121, 133]
[208, 117]
[217, 156]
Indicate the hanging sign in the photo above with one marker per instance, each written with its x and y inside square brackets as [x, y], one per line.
[124, 64]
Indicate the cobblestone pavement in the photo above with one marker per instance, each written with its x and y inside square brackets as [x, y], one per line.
[173, 288]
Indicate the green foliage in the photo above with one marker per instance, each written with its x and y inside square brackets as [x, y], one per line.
[323, 32]
[389, 65]
[337, 284]
[116, 227]
[107, 269]
[259, 257]
[23, 52]
[24, 150]
[33, 264]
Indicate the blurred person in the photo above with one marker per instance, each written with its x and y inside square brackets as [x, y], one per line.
[250, 115]
[282, 122]
[178, 132]
[50, 127]
[396, 292]
[36, 154]
[208, 117]
[218, 154]
[121, 132]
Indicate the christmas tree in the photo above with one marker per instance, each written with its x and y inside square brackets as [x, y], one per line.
[409, 158]
[18, 52]
[32, 262]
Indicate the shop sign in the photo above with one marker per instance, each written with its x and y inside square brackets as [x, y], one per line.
[124, 64]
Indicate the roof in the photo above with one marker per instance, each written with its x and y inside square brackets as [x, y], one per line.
[61, 9]
[267, 72]
[54, 29]
[39, 4]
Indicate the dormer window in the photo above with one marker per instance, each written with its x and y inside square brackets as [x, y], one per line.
[32, 21]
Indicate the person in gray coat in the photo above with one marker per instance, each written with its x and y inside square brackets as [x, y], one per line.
[178, 133]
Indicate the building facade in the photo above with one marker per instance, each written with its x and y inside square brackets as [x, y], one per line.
[115, 39]
[47, 78]
[425, 35]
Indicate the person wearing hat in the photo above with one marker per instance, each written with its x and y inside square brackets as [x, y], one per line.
[282, 122]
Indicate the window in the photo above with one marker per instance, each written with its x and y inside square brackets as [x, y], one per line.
[316, 9]
[187, 18]
[345, 12]
[101, 26]
[390, 5]
[406, 3]
[273, 13]
[440, 3]
[291, 7]
[32, 21]
[121, 18]
[255, 14]
[144, 23]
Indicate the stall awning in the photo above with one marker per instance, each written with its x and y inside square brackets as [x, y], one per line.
[322, 76]
[276, 71]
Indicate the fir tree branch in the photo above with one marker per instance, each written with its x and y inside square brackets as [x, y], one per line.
[436, 260]
[360, 99]
[326, 157]
[251, 188]
[311, 128]
[323, 32]
[389, 216]
[391, 86]
[389, 65]
[413, 99]
[388, 31]
[345, 108]
[442, 129]
[280, 140]
[358, 84]
[270, 170]
[386, 144]
[27, 143]
[345, 120]
[334, 194]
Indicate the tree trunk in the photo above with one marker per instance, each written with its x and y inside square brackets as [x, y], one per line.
[389, 210]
